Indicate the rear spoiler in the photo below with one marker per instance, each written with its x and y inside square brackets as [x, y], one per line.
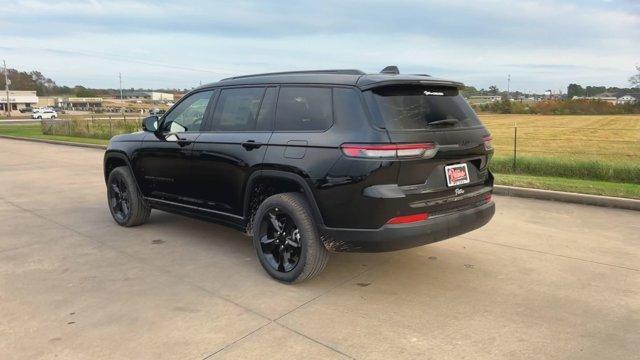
[421, 82]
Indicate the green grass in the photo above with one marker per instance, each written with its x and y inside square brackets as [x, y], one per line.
[569, 167]
[570, 185]
[35, 131]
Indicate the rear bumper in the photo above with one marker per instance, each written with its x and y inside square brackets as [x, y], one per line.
[397, 237]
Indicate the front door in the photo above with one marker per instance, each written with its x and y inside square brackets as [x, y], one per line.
[163, 162]
[233, 147]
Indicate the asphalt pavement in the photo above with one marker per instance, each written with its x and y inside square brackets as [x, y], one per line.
[543, 280]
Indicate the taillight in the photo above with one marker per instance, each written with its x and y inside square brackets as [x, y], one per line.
[487, 198]
[390, 151]
[408, 219]
[488, 145]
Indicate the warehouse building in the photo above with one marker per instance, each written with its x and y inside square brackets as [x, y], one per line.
[79, 103]
[18, 100]
[147, 96]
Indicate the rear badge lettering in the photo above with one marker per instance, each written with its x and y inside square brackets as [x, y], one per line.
[433, 93]
[459, 191]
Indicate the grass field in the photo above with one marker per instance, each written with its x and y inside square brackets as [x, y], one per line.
[600, 148]
[598, 137]
[35, 131]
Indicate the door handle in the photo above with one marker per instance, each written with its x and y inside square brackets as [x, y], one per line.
[251, 144]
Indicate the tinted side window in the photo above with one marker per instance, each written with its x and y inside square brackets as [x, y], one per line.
[348, 106]
[304, 108]
[189, 114]
[237, 109]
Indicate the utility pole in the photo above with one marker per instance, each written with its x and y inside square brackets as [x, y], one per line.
[120, 78]
[6, 87]
[509, 86]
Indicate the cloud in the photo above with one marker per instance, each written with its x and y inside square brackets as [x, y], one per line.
[181, 42]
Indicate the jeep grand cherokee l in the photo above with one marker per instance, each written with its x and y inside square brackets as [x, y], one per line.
[311, 162]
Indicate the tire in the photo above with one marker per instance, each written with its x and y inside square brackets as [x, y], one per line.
[121, 186]
[292, 212]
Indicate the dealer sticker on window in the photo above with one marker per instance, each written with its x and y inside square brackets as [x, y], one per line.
[456, 174]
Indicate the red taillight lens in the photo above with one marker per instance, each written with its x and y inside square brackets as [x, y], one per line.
[488, 142]
[487, 198]
[389, 151]
[408, 219]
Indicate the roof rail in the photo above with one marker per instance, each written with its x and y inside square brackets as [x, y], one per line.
[336, 71]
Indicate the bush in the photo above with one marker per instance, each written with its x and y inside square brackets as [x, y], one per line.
[559, 107]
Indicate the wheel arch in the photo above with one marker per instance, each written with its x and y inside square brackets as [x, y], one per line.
[284, 182]
[114, 159]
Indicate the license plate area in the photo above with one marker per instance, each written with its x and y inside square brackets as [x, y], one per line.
[456, 174]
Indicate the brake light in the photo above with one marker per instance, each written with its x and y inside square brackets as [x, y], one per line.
[408, 219]
[488, 142]
[487, 198]
[390, 151]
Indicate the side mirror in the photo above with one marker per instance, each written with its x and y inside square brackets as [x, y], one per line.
[150, 123]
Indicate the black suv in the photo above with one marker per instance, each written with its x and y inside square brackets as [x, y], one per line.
[311, 162]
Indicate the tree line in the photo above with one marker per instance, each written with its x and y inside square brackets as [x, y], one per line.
[44, 86]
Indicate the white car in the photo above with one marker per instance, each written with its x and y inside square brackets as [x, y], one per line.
[44, 114]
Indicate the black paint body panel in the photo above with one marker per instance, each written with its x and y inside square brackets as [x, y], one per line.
[211, 174]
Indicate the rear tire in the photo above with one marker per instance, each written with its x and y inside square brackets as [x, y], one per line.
[296, 252]
[127, 206]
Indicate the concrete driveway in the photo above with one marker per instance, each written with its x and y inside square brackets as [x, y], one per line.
[542, 280]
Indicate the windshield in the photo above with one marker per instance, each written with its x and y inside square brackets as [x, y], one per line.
[419, 108]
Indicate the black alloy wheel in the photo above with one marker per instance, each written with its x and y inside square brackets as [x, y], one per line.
[126, 204]
[280, 240]
[120, 200]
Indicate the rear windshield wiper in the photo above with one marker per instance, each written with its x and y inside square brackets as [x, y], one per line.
[451, 122]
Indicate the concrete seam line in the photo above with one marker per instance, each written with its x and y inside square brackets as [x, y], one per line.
[550, 254]
[55, 142]
[585, 199]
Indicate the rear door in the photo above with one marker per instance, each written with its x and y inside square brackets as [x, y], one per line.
[419, 114]
[232, 147]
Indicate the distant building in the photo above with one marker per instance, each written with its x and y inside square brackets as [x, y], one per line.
[483, 99]
[147, 95]
[79, 103]
[18, 99]
[628, 99]
[609, 99]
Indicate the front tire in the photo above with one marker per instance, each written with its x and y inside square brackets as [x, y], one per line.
[286, 239]
[127, 206]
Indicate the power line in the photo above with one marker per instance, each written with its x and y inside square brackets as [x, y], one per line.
[114, 57]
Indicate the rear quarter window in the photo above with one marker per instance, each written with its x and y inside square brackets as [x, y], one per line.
[420, 108]
[304, 109]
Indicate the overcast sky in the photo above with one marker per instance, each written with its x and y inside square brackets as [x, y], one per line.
[543, 44]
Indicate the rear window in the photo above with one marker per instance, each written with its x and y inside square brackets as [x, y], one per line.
[419, 108]
[304, 109]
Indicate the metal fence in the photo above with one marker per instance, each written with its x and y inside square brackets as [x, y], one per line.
[580, 143]
[97, 127]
